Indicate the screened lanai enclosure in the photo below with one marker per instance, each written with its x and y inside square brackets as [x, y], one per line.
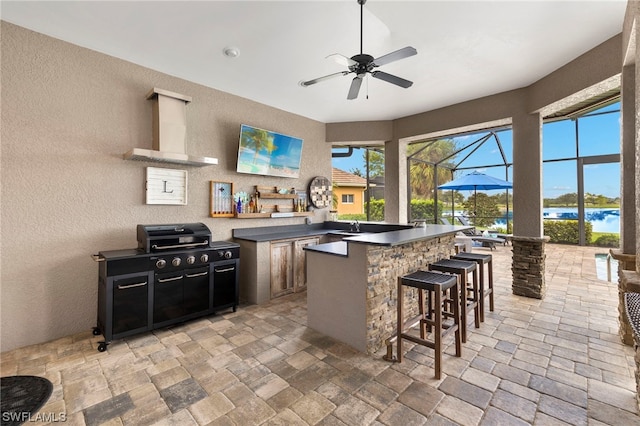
[581, 177]
[435, 162]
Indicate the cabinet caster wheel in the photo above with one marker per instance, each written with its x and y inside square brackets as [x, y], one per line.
[102, 347]
[96, 331]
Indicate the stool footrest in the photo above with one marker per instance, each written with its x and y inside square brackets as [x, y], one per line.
[428, 343]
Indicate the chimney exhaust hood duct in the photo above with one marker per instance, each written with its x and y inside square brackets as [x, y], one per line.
[169, 132]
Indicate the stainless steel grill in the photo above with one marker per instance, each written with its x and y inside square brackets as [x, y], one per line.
[176, 274]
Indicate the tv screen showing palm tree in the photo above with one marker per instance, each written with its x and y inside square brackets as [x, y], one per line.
[262, 152]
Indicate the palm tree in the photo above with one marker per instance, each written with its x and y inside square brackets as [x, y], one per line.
[258, 140]
[423, 162]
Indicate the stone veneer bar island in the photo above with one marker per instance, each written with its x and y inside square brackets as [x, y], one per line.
[352, 284]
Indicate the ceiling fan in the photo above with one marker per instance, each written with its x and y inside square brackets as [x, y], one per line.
[362, 64]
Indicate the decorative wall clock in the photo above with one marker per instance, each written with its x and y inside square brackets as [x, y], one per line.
[320, 193]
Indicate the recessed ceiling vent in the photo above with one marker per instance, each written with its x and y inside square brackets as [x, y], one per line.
[169, 132]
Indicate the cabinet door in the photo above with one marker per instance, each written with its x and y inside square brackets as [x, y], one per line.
[168, 295]
[225, 284]
[281, 268]
[300, 262]
[196, 290]
[130, 303]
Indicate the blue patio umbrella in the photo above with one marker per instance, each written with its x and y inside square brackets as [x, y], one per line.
[474, 181]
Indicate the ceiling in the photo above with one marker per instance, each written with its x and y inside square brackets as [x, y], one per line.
[466, 49]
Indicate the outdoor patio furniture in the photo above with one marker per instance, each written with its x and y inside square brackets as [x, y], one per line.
[490, 242]
[506, 237]
[442, 302]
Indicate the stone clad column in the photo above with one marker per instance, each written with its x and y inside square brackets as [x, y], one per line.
[528, 265]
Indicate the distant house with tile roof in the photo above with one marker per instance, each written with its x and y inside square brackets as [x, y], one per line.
[349, 191]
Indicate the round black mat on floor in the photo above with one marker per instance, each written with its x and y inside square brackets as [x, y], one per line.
[22, 396]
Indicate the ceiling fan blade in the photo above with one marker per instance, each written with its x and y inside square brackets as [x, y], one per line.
[342, 60]
[319, 79]
[405, 52]
[392, 79]
[355, 87]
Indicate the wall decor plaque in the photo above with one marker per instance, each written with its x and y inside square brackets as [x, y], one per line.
[166, 186]
[221, 199]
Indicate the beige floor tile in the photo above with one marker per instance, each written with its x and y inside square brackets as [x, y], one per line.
[553, 361]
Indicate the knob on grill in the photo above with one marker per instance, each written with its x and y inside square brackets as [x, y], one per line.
[176, 261]
[161, 263]
[204, 258]
[191, 260]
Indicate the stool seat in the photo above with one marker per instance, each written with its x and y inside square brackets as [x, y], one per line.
[476, 257]
[425, 280]
[452, 265]
[443, 297]
[462, 268]
[481, 259]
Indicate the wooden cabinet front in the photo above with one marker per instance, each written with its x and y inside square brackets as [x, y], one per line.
[281, 268]
[300, 262]
[288, 265]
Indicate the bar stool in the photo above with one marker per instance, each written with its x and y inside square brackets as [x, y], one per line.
[481, 259]
[443, 295]
[469, 292]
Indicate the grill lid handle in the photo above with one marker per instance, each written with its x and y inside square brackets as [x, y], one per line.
[157, 247]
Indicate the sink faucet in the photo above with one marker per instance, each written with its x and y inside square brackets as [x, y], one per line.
[357, 226]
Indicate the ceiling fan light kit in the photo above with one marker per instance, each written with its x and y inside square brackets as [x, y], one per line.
[363, 64]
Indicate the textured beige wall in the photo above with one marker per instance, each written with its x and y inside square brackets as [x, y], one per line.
[68, 115]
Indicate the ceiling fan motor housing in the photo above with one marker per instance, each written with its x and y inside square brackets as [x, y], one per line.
[364, 64]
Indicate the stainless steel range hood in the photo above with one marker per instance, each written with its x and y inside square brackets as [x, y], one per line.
[169, 132]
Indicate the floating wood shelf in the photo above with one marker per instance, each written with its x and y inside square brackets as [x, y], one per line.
[273, 209]
[275, 196]
[273, 215]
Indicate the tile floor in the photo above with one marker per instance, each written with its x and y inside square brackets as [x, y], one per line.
[545, 362]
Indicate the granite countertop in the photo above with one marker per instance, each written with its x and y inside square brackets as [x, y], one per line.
[337, 248]
[273, 233]
[388, 239]
[374, 234]
[404, 236]
[283, 235]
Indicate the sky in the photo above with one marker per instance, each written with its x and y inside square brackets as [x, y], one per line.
[599, 134]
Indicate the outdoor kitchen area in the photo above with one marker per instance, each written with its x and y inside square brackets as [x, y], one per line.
[258, 221]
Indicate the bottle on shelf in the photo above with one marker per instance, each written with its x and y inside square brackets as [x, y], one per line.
[239, 205]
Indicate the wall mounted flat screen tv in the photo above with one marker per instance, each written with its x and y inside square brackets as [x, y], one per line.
[262, 152]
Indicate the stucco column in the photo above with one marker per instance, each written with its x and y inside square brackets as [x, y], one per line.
[628, 162]
[395, 181]
[527, 175]
[528, 260]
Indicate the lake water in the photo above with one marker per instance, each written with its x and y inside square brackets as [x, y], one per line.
[602, 220]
